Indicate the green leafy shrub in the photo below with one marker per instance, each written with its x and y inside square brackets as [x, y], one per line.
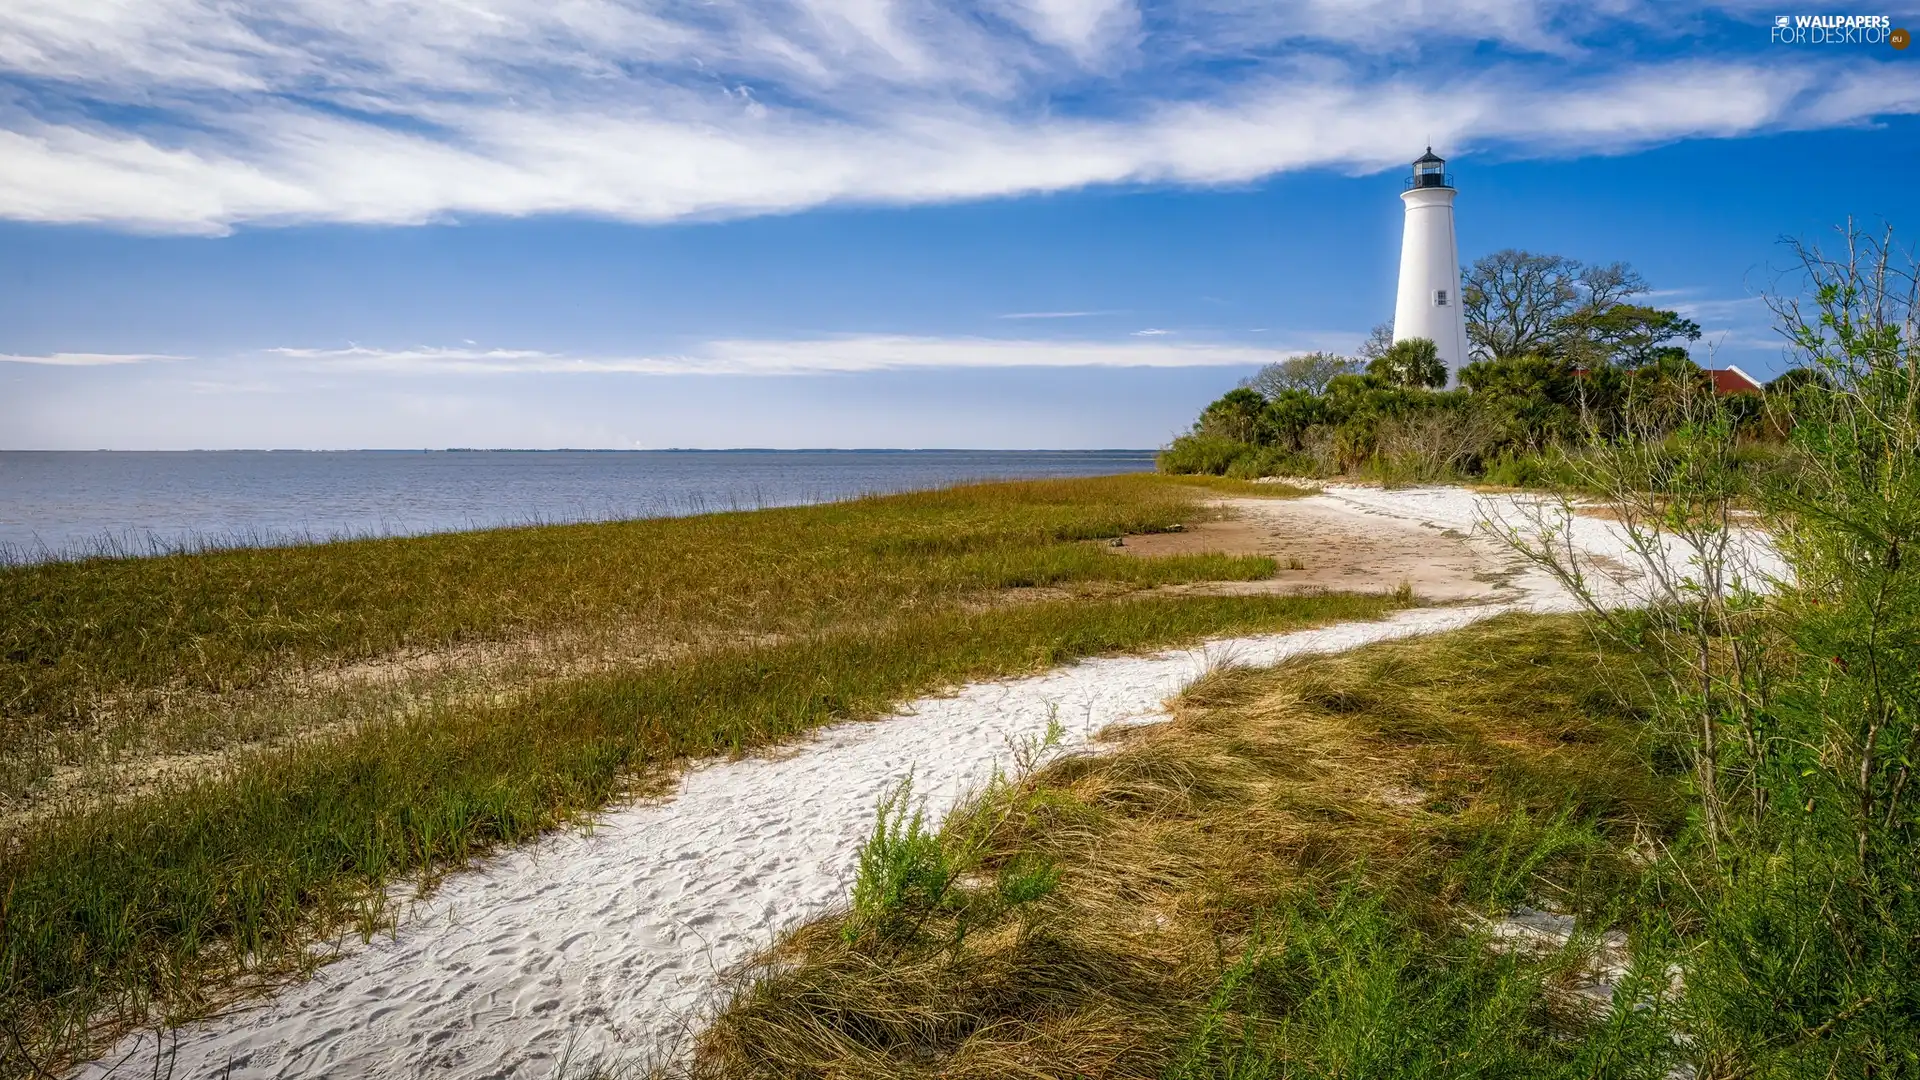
[1527, 470]
[1263, 461]
[1414, 362]
[904, 869]
[1209, 455]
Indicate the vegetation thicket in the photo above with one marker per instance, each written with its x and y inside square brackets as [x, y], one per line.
[1341, 867]
[1560, 356]
[123, 903]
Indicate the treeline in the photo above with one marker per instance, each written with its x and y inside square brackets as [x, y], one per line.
[1561, 355]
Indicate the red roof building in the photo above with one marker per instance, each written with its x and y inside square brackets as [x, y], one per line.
[1731, 380]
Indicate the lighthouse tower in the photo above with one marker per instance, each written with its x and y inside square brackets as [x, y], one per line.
[1428, 305]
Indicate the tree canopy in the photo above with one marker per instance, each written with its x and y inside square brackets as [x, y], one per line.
[1413, 362]
[1518, 303]
[1309, 372]
[1560, 348]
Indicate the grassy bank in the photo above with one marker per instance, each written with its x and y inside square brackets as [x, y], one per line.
[116, 910]
[1291, 878]
[104, 656]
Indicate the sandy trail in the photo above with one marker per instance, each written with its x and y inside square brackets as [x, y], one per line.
[603, 946]
[1328, 542]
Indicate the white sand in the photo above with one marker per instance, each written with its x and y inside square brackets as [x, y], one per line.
[604, 946]
[1615, 567]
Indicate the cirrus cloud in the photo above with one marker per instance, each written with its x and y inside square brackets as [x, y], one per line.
[83, 359]
[199, 115]
[837, 355]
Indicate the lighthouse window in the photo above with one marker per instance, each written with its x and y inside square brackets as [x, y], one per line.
[1440, 298]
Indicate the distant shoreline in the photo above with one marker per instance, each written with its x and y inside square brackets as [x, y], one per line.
[594, 450]
[64, 505]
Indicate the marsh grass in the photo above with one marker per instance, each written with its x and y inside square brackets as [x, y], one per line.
[163, 905]
[102, 658]
[153, 903]
[1290, 878]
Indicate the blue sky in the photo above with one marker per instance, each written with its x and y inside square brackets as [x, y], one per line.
[1012, 223]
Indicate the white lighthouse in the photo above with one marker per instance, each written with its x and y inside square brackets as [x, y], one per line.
[1428, 305]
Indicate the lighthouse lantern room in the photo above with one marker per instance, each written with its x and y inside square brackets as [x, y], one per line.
[1429, 170]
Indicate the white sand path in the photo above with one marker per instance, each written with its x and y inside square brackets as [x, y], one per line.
[603, 946]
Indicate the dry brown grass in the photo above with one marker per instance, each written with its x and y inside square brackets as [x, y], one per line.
[1401, 771]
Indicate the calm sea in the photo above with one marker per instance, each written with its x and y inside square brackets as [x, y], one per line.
[56, 504]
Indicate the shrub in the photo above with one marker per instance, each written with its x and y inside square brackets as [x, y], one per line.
[1210, 455]
[1239, 416]
[1523, 470]
[1414, 362]
[1436, 444]
[1527, 401]
[1271, 461]
[1290, 414]
[1797, 710]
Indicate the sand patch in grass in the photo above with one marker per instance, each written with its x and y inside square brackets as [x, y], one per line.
[1319, 543]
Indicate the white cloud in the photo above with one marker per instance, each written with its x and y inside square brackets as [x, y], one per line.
[84, 359]
[839, 355]
[400, 111]
[1716, 310]
[1085, 29]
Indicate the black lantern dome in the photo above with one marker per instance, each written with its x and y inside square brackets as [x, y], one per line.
[1430, 171]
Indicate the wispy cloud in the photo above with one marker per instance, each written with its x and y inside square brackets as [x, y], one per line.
[1717, 310]
[84, 359]
[1740, 323]
[791, 357]
[1053, 314]
[1151, 331]
[197, 115]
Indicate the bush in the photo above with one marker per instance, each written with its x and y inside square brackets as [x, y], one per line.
[1240, 416]
[1433, 445]
[1272, 461]
[1210, 455]
[1529, 401]
[1517, 470]
[1413, 362]
[1290, 414]
[1796, 707]
[1506, 422]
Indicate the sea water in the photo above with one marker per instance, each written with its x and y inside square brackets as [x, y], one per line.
[69, 504]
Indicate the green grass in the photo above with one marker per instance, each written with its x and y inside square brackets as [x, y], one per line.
[76, 631]
[117, 910]
[113, 656]
[1287, 880]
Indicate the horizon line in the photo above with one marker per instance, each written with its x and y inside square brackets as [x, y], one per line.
[603, 450]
